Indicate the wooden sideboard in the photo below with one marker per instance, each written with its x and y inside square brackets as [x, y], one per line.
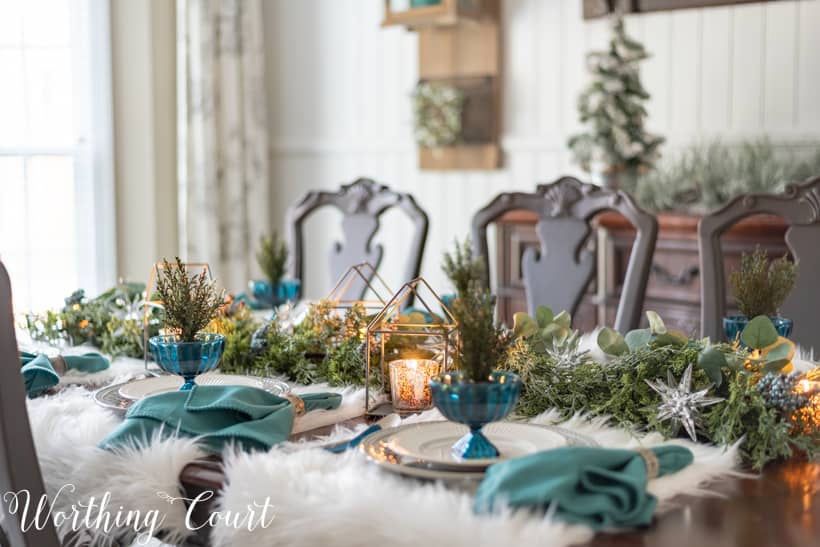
[674, 282]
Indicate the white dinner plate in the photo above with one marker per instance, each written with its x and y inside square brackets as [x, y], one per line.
[139, 389]
[424, 450]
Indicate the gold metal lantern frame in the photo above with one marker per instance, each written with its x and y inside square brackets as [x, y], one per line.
[361, 285]
[434, 333]
[149, 304]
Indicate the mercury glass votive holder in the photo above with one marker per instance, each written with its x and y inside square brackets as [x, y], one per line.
[410, 383]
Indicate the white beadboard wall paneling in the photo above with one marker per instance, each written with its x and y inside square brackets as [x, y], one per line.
[656, 71]
[518, 37]
[808, 73]
[339, 87]
[715, 57]
[747, 68]
[549, 49]
[684, 83]
[779, 72]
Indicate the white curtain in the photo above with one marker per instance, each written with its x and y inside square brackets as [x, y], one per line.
[223, 142]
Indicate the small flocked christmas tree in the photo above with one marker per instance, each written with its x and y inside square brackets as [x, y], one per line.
[612, 108]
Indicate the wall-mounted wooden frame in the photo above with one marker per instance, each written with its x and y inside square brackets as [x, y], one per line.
[460, 45]
[445, 13]
[600, 8]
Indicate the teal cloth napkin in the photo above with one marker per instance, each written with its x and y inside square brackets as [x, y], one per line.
[40, 376]
[249, 417]
[598, 487]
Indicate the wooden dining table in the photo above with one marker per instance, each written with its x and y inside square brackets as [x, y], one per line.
[779, 507]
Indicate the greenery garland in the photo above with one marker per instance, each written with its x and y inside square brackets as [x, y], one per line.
[574, 382]
[772, 421]
[437, 110]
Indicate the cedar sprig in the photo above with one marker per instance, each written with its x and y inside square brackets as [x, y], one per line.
[272, 256]
[462, 268]
[761, 285]
[190, 302]
[483, 343]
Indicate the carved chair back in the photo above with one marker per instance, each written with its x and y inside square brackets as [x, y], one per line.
[799, 206]
[558, 273]
[19, 469]
[362, 203]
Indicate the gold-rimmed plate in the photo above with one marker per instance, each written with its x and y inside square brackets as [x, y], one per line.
[422, 450]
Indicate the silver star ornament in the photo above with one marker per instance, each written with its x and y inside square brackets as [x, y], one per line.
[678, 403]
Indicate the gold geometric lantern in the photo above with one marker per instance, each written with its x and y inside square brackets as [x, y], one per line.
[407, 347]
[194, 269]
[361, 285]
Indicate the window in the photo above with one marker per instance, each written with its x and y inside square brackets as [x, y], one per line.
[56, 187]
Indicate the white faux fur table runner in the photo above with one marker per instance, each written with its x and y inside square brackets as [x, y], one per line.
[316, 498]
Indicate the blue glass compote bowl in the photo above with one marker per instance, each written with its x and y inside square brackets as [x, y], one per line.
[733, 325]
[274, 295]
[187, 359]
[475, 404]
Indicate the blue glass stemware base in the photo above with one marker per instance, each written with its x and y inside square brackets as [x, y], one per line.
[474, 445]
[475, 404]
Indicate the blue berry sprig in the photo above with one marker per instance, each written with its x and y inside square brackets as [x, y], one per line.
[780, 391]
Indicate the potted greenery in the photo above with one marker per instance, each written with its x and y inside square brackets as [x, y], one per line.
[272, 257]
[760, 287]
[190, 303]
[478, 393]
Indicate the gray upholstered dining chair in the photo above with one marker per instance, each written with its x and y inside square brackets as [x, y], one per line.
[559, 273]
[362, 203]
[19, 469]
[799, 206]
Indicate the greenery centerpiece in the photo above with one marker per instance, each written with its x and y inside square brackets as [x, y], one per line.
[760, 287]
[478, 393]
[616, 144]
[272, 258]
[756, 395]
[190, 303]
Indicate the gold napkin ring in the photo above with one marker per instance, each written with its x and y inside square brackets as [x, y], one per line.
[59, 364]
[297, 402]
[651, 461]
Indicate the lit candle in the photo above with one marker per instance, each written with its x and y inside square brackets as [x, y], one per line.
[808, 416]
[410, 383]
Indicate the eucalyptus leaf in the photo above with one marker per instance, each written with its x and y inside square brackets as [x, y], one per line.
[611, 342]
[775, 365]
[543, 316]
[672, 338]
[711, 360]
[550, 331]
[759, 333]
[564, 319]
[561, 336]
[524, 325]
[655, 322]
[779, 352]
[734, 362]
[638, 338]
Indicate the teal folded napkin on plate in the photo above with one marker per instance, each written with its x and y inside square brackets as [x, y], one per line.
[39, 373]
[598, 487]
[252, 418]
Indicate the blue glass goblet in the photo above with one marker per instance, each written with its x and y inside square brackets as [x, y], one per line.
[187, 359]
[475, 404]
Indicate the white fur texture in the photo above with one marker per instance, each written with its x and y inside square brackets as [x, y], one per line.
[319, 498]
[343, 501]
